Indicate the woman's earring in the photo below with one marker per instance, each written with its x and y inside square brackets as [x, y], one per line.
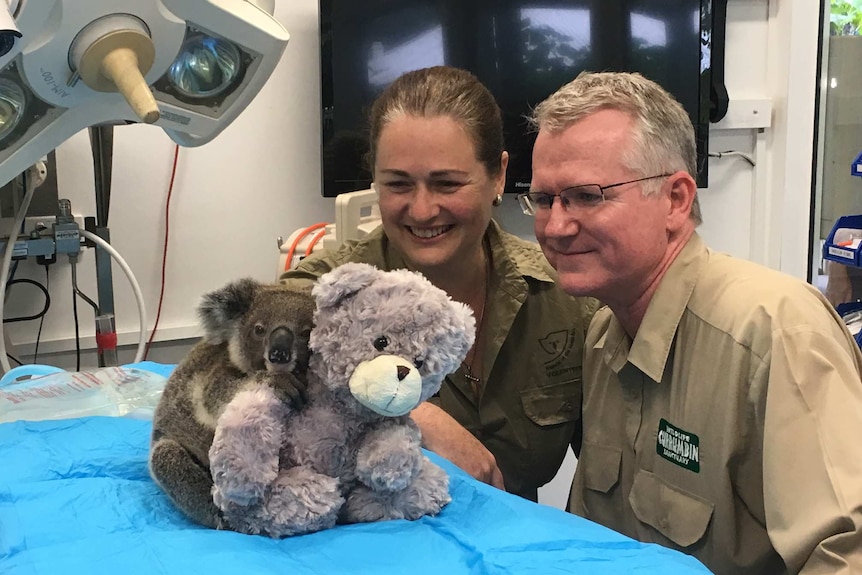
[498, 199]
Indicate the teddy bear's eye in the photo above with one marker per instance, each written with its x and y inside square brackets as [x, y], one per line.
[259, 330]
[381, 342]
[418, 362]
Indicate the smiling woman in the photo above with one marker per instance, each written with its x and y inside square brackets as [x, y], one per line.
[435, 200]
[509, 413]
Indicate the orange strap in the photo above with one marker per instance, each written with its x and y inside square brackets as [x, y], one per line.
[314, 241]
[298, 239]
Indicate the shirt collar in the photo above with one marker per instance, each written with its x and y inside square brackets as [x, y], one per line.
[524, 262]
[650, 348]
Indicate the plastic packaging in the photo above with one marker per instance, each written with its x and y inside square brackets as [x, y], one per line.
[847, 238]
[112, 391]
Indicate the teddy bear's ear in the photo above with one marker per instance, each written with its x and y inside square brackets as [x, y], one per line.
[220, 310]
[343, 282]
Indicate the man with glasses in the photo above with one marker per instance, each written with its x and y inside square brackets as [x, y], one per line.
[722, 407]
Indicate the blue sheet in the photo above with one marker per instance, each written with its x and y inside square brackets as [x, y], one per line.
[76, 497]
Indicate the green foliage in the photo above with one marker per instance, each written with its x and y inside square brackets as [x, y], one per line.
[845, 18]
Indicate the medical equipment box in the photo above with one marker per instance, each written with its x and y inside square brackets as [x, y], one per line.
[844, 242]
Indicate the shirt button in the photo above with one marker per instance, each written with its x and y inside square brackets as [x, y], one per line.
[568, 406]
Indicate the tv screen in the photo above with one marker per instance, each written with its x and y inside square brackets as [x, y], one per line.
[522, 50]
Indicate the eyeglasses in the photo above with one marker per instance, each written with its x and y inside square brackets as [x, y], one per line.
[576, 198]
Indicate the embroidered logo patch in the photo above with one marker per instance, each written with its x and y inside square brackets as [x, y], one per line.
[558, 345]
[678, 446]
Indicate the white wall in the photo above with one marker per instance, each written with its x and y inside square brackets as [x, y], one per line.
[260, 179]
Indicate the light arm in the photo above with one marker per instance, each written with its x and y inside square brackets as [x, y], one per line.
[152, 63]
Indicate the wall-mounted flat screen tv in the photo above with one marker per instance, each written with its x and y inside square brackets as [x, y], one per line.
[521, 49]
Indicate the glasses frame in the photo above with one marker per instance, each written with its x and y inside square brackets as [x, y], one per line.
[528, 204]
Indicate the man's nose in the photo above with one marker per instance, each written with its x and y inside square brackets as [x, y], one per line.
[558, 222]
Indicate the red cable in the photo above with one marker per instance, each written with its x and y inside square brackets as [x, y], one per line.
[298, 238]
[165, 251]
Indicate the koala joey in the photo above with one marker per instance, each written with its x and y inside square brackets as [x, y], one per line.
[253, 334]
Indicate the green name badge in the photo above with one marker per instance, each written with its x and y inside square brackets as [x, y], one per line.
[678, 446]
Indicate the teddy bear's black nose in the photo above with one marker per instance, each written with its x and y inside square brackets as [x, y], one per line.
[402, 372]
[280, 346]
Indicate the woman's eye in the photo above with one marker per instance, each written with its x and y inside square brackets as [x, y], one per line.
[380, 342]
[448, 185]
[397, 186]
[259, 330]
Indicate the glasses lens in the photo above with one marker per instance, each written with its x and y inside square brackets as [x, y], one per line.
[583, 197]
[526, 205]
[206, 66]
[12, 100]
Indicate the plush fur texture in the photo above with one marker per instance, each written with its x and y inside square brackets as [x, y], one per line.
[256, 337]
[282, 472]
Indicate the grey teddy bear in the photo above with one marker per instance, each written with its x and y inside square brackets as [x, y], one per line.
[382, 342]
[256, 336]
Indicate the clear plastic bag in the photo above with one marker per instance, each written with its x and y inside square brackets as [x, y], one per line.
[111, 391]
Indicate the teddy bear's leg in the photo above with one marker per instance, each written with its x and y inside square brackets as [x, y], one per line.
[244, 456]
[426, 495]
[389, 457]
[300, 501]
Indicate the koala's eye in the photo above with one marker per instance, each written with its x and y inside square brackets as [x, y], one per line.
[381, 342]
[418, 362]
[259, 330]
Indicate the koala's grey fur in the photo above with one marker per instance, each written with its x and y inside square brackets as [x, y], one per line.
[254, 334]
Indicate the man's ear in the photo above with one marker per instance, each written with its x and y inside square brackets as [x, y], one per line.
[681, 190]
[220, 310]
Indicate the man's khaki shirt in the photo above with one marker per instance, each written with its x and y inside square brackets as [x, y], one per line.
[731, 427]
[528, 412]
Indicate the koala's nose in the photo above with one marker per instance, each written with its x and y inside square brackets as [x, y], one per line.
[280, 346]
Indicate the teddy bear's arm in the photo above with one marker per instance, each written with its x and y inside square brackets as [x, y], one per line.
[390, 455]
[244, 456]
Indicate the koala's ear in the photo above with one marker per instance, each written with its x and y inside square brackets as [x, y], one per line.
[343, 282]
[220, 310]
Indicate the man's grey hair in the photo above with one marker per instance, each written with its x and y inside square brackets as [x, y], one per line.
[663, 139]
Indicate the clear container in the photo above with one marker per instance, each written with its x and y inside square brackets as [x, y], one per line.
[112, 391]
[847, 238]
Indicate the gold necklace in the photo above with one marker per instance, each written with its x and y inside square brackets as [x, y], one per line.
[474, 380]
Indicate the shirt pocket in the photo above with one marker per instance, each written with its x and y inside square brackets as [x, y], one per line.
[678, 515]
[553, 404]
[601, 466]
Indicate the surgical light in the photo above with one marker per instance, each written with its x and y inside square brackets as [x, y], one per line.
[187, 66]
[206, 66]
[12, 102]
